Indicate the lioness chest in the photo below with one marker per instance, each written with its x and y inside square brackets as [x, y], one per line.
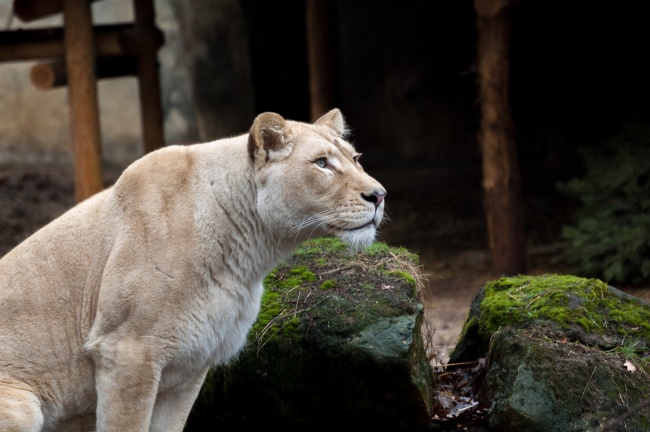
[214, 330]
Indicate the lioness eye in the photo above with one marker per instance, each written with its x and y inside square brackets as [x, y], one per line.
[321, 163]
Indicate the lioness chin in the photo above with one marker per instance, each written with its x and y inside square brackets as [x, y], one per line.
[112, 314]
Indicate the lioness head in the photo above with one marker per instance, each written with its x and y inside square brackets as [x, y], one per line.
[310, 181]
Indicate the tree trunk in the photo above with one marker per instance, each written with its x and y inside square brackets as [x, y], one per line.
[501, 178]
[324, 86]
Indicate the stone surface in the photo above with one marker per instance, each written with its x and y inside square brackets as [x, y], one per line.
[563, 354]
[338, 343]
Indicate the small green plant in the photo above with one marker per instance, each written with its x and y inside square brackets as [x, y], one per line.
[610, 238]
[328, 284]
[635, 351]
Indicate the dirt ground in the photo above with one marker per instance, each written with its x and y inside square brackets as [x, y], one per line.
[444, 225]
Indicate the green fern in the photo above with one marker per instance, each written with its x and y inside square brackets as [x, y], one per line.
[610, 238]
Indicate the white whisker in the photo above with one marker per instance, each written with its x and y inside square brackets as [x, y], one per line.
[315, 221]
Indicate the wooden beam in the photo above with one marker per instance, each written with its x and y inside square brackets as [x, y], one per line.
[84, 112]
[109, 40]
[501, 177]
[53, 74]
[148, 76]
[30, 10]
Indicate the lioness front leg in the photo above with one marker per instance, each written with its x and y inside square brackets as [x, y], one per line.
[20, 410]
[173, 406]
[126, 379]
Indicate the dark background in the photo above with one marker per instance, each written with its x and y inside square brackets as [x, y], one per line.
[408, 89]
[409, 93]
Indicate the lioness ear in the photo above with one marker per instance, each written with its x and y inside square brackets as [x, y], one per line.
[334, 120]
[268, 139]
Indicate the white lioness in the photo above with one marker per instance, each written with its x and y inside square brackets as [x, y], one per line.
[111, 315]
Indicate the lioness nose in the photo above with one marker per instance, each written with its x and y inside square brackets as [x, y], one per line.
[376, 197]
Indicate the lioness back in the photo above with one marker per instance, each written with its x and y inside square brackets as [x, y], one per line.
[112, 314]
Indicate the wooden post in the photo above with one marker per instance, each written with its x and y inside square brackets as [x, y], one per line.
[84, 113]
[501, 177]
[324, 86]
[148, 79]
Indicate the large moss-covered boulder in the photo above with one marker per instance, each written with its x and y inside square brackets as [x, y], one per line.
[337, 343]
[563, 354]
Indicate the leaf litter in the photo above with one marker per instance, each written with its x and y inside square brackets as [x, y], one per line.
[456, 406]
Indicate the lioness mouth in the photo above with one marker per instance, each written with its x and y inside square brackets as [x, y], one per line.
[372, 222]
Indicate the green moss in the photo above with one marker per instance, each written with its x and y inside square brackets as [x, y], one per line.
[383, 307]
[402, 274]
[275, 316]
[322, 277]
[470, 327]
[328, 284]
[377, 248]
[320, 246]
[270, 277]
[636, 317]
[381, 248]
[270, 308]
[298, 276]
[564, 300]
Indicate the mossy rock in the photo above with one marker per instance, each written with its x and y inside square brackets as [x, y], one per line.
[585, 310]
[337, 343]
[563, 353]
[537, 383]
